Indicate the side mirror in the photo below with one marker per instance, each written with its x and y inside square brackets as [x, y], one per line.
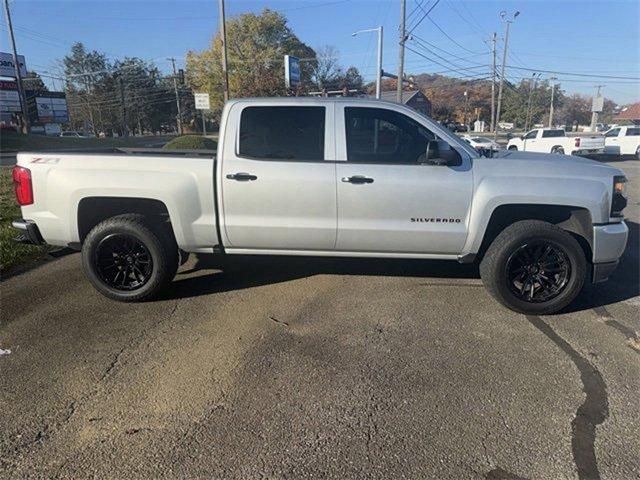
[438, 152]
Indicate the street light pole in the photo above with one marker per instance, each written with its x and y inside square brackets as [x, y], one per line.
[553, 87]
[508, 22]
[16, 64]
[379, 72]
[493, 82]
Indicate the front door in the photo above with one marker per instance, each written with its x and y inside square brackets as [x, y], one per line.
[389, 198]
[278, 191]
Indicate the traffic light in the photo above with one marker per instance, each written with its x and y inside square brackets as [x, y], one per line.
[181, 76]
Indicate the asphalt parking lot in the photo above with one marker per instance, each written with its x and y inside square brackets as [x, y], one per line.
[319, 368]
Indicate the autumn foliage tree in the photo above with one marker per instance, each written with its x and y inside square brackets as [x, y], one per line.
[256, 45]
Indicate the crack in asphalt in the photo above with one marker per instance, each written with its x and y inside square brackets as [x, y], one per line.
[49, 428]
[632, 336]
[593, 411]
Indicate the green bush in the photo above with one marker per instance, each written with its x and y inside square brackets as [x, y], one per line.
[191, 142]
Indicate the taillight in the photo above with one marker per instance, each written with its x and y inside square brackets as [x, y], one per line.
[577, 142]
[22, 185]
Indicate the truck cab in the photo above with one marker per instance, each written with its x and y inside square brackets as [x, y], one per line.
[623, 140]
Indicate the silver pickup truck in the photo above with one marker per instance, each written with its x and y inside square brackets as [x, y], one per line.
[331, 177]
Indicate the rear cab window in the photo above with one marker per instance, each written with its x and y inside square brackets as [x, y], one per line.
[552, 133]
[282, 133]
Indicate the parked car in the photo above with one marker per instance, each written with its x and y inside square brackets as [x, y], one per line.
[482, 144]
[554, 140]
[341, 177]
[623, 140]
[72, 134]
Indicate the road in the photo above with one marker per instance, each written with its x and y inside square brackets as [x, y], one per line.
[292, 368]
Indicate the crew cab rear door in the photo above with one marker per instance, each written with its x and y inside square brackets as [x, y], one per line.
[278, 177]
[387, 200]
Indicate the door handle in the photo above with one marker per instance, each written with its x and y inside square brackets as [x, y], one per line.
[357, 179]
[241, 177]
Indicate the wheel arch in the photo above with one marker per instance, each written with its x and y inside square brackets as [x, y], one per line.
[573, 219]
[93, 210]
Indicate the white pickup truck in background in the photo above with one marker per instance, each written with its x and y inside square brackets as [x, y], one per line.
[555, 140]
[623, 140]
[330, 177]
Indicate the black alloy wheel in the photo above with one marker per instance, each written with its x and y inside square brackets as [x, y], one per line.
[538, 271]
[123, 262]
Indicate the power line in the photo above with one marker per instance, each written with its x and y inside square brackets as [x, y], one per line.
[426, 15]
[574, 74]
[450, 38]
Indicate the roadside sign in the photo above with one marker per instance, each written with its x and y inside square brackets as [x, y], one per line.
[291, 71]
[202, 101]
[7, 68]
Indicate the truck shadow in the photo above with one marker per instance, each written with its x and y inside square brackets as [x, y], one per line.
[218, 273]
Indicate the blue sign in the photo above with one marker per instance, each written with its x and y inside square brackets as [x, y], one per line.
[291, 71]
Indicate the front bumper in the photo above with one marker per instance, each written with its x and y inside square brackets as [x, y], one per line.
[609, 243]
[29, 232]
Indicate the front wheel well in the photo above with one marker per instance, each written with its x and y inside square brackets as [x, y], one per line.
[575, 220]
[93, 210]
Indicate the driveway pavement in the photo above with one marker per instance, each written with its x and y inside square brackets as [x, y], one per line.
[318, 368]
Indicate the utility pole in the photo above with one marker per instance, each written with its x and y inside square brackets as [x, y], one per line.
[175, 88]
[508, 22]
[125, 130]
[553, 87]
[379, 72]
[493, 82]
[594, 114]
[403, 8]
[16, 64]
[223, 36]
[532, 86]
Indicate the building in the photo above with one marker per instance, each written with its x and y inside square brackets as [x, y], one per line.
[629, 113]
[413, 98]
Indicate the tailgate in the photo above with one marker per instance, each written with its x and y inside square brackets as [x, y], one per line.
[591, 143]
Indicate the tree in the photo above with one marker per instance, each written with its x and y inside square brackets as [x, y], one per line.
[256, 45]
[86, 73]
[33, 81]
[516, 102]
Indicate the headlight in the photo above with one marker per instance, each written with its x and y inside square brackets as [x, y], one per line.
[619, 199]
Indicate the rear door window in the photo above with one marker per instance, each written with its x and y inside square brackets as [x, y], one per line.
[282, 133]
[632, 132]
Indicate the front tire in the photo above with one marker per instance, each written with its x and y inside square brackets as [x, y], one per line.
[638, 153]
[534, 267]
[129, 259]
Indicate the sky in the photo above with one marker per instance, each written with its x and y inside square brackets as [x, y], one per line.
[589, 38]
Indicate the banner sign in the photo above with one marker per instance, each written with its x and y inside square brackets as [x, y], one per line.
[7, 69]
[291, 71]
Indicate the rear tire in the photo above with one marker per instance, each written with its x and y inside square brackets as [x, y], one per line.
[129, 259]
[513, 147]
[558, 150]
[534, 267]
[638, 153]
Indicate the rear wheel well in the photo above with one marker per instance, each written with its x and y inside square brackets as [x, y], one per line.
[575, 220]
[93, 210]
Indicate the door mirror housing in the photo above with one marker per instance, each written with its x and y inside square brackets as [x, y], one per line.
[439, 152]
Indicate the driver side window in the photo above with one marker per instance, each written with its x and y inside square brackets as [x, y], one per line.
[531, 135]
[378, 135]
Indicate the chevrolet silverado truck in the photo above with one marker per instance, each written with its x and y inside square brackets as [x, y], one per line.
[623, 140]
[555, 140]
[330, 177]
